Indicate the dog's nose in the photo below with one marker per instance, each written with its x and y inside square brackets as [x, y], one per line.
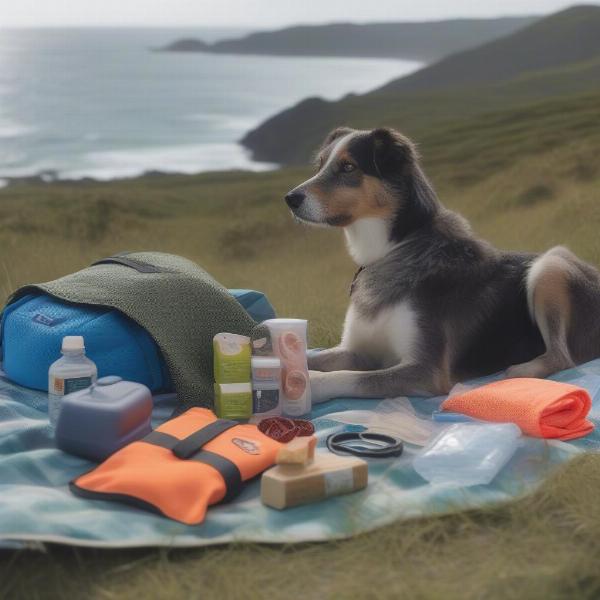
[294, 199]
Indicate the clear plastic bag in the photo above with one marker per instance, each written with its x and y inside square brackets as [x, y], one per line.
[396, 417]
[468, 454]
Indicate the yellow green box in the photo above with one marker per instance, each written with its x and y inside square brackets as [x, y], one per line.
[233, 400]
[232, 356]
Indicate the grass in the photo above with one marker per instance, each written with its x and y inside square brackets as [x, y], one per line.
[544, 546]
[518, 188]
[233, 224]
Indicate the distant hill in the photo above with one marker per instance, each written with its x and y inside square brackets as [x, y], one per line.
[569, 36]
[425, 41]
[556, 56]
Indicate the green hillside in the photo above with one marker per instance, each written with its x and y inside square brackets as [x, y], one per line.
[290, 136]
[425, 41]
[570, 36]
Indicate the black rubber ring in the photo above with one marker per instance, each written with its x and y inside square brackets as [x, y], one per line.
[336, 443]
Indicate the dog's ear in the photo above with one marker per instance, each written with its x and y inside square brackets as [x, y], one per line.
[333, 135]
[391, 151]
[397, 160]
[336, 133]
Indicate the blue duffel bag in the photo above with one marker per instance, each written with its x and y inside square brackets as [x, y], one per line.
[32, 329]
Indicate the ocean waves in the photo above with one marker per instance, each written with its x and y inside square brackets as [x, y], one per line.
[69, 111]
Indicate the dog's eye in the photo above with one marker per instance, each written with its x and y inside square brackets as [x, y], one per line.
[347, 167]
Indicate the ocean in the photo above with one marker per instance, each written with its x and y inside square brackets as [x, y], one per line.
[99, 102]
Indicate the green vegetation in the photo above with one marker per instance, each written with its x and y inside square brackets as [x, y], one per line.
[551, 59]
[528, 178]
[567, 37]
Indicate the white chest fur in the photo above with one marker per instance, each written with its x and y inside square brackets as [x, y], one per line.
[368, 240]
[390, 337]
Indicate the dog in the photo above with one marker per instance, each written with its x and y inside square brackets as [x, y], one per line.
[432, 304]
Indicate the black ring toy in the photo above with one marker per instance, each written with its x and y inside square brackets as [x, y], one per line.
[376, 445]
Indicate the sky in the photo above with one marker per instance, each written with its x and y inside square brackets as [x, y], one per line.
[258, 14]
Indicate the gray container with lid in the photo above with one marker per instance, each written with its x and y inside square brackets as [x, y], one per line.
[96, 422]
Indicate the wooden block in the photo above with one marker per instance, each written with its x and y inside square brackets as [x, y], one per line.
[328, 475]
[300, 451]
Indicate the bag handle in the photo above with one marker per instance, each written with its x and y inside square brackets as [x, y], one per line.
[120, 259]
[193, 443]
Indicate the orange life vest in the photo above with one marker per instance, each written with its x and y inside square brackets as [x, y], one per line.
[182, 467]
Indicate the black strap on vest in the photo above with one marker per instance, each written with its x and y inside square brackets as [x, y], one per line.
[164, 440]
[190, 448]
[228, 470]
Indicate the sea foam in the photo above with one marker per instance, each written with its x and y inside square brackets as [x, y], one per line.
[187, 159]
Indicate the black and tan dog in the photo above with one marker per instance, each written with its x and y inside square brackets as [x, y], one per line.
[431, 304]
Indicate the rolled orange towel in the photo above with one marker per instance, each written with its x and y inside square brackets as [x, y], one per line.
[540, 407]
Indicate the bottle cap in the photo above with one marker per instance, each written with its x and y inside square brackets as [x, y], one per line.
[72, 343]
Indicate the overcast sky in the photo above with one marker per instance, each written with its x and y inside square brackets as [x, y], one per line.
[254, 13]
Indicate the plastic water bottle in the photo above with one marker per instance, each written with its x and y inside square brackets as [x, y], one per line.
[71, 372]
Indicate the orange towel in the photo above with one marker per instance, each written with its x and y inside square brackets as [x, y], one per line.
[540, 407]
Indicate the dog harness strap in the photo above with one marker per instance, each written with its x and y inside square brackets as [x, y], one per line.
[353, 284]
[229, 470]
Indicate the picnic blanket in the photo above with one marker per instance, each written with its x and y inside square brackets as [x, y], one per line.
[37, 506]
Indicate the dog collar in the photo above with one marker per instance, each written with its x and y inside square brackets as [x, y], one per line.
[353, 284]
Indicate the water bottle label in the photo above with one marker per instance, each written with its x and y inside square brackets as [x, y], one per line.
[76, 384]
[57, 386]
[61, 386]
